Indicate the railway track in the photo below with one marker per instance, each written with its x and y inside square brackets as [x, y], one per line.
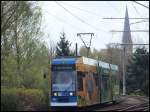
[129, 103]
[126, 103]
[136, 107]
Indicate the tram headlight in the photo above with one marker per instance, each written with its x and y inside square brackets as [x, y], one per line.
[55, 94]
[59, 94]
[71, 93]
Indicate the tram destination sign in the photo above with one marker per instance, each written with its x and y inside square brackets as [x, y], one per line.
[62, 67]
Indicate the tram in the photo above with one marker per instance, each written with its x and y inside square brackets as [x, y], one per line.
[80, 81]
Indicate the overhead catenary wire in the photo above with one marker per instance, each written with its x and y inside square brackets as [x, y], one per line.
[84, 10]
[108, 2]
[136, 10]
[141, 4]
[139, 22]
[142, 21]
[89, 12]
[66, 22]
[61, 20]
[78, 17]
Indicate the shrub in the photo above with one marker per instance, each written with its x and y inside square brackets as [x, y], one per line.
[9, 100]
[20, 98]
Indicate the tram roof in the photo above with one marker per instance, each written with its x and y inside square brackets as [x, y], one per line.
[85, 60]
[64, 61]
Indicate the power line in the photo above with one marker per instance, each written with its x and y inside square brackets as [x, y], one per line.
[136, 9]
[83, 10]
[78, 17]
[139, 22]
[61, 20]
[140, 4]
[112, 6]
[71, 13]
[89, 12]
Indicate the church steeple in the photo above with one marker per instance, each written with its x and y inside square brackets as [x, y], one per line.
[127, 34]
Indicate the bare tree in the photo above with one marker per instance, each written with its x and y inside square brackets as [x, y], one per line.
[52, 50]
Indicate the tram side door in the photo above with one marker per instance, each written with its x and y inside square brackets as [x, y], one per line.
[104, 89]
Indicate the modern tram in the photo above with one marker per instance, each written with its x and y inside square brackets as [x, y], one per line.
[80, 81]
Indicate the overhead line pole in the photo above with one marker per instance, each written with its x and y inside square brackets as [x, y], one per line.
[123, 63]
[124, 77]
[124, 50]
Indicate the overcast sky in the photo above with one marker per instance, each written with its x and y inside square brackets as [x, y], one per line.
[87, 16]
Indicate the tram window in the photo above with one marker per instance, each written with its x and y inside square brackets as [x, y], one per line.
[80, 80]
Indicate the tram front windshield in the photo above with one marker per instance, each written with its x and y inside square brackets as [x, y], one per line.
[63, 81]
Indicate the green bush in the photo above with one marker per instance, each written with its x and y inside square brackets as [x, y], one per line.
[9, 99]
[20, 98]
[137, 93]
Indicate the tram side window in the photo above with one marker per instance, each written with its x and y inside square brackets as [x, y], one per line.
[80, 80]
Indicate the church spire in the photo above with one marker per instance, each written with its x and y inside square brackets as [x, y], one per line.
[126, 34]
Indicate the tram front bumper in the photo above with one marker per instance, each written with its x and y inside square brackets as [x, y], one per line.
[63, 101]
[63, 104]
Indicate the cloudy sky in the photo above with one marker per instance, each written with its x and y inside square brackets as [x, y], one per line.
[74, 17]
